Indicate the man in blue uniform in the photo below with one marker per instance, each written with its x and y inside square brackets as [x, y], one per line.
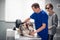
[41, 21]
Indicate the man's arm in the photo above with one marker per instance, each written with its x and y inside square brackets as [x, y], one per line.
[44, 21]
[41, 28]
[26, 20]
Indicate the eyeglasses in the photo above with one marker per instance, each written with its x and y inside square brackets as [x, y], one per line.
[46, 8]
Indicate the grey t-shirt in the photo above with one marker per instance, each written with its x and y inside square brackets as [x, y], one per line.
[50, 23]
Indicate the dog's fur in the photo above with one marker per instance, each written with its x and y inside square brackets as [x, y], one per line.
[26, 29]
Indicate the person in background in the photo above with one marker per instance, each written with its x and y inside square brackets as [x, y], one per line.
[52, 21]
[41, 21]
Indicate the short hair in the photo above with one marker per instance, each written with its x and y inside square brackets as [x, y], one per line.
[50, 5]
[35, 5]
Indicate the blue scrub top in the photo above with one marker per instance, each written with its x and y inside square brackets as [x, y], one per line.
[39, 19]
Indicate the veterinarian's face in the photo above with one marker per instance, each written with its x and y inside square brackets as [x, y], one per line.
[35, 9]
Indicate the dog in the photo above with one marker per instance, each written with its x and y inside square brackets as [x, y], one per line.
[26, 29]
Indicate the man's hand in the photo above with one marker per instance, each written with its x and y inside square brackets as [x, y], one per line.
[26, 20]
[49, 28]
[32, 33]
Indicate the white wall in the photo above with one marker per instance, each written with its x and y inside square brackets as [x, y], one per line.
[20, 9]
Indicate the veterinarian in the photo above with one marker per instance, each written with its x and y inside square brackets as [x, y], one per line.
[41, 21]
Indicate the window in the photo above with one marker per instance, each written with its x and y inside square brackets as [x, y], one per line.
[20, 9]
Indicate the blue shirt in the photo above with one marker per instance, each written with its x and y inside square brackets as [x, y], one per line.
[39, 19]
